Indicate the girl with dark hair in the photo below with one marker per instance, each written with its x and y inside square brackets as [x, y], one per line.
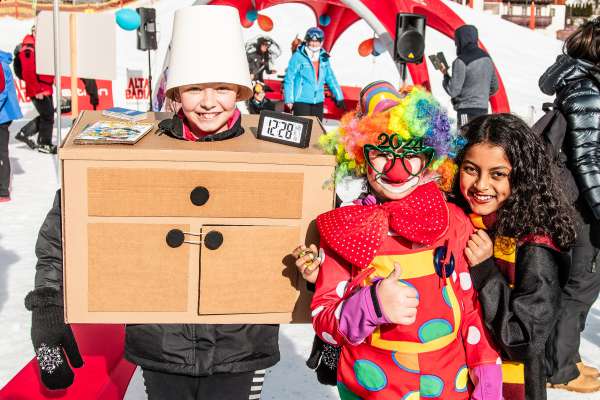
[519, 266]
[575, 80]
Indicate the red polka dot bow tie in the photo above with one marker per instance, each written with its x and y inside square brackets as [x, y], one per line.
[357, 232]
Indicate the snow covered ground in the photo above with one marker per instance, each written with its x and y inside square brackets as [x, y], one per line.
[35, 176]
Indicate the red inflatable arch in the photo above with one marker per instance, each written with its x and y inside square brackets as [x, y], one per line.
[439, 17]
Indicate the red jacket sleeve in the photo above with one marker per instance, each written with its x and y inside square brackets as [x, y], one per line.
[479, 347]
[2, 79]
[331, 288]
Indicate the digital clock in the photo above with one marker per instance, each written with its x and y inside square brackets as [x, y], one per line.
[284, 128]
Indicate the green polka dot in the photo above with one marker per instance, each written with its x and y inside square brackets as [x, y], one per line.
[434, 329]
[345, 393]
[446, 297]
[431, 386]
[369, 375]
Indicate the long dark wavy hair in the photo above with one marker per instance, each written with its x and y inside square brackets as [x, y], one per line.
[535, 206]
[584, 43]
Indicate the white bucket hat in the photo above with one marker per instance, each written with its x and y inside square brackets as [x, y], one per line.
[207, 47]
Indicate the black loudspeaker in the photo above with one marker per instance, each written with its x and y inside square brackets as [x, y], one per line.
[409, 46]
[146, 32]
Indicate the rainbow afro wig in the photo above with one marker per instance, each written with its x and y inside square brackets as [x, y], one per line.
[411, 121]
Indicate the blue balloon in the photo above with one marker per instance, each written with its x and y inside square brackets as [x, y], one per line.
[251, 15]
[324, 20]
[378, 47]
[128, 19]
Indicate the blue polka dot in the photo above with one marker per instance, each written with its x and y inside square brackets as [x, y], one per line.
[369, 375]
[434, 329]
[446, 297]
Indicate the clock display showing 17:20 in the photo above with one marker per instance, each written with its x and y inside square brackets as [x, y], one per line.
[283, 130]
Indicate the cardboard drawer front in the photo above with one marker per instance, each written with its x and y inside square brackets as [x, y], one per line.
[170, 192]
[245, 273]
[132, 268]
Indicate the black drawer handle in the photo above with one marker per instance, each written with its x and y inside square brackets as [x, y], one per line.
[175, 238]
[213, 240]
[199, 196]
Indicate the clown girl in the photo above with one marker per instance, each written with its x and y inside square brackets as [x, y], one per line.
[398, 251]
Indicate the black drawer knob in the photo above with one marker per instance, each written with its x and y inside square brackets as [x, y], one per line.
[175, 238]
[199, 196]
[213, 240]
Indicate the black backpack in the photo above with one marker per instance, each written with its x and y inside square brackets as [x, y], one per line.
[17, 67]
[552, 127]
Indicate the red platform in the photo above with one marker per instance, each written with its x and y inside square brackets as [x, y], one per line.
[104, 376]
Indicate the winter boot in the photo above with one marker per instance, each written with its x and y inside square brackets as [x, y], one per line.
[587, 370]
[47, 148]
[25, 139]
[581, 384]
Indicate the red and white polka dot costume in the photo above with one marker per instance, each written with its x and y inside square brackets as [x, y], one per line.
[432, 357]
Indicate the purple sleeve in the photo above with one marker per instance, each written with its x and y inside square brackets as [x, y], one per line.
[361, 314]
[488, 382]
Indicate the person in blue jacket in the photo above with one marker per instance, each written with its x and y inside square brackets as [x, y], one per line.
[307, 73]
[9, 111]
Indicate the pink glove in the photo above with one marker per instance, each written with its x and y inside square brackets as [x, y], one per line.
[487, 379]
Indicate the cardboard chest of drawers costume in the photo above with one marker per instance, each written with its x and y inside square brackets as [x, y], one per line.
[169, 231]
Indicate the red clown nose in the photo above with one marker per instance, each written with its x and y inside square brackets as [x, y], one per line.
[397, 173]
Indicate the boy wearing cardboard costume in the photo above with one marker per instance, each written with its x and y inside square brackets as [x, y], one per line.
[181, 361]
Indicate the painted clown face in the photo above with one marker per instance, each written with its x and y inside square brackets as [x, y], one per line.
[208, 107]
[395, 169]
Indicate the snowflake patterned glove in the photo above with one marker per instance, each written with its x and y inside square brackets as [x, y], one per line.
[324, 359]
[52, 338]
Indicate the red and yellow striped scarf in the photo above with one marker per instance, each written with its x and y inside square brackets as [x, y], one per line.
[505, 254]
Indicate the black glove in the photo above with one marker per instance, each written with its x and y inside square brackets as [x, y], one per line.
[52, 338]
[324, 360]
[340, 104]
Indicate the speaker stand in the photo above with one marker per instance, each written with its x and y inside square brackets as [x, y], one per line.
[402, 70]
[149, 83]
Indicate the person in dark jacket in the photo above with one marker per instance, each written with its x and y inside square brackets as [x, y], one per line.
[506, 182]
[261, 54]
[39, 89]
[575, 80]
[9, 111]
[179, 361]
[259, 101]
[473, 78]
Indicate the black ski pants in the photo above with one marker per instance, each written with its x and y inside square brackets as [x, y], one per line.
[43, 123]
[306, 109]
[578, 295]
[4, 160]
[232, 386]
[464, 115]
